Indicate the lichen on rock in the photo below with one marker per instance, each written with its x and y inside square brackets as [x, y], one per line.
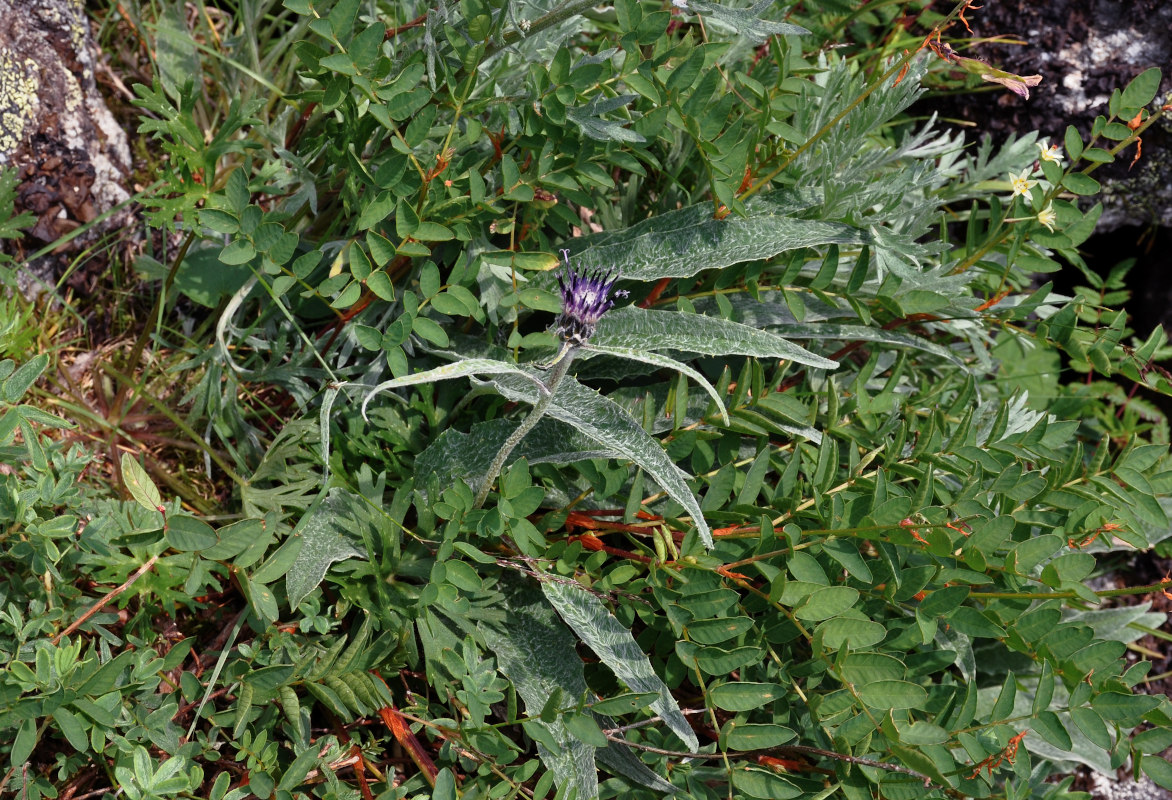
[55, 128]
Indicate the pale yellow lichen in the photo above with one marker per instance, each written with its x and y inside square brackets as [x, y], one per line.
[18, 100]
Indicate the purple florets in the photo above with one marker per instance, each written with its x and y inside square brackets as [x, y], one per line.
[586, 296]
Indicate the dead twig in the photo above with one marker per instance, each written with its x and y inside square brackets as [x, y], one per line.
[105, 600]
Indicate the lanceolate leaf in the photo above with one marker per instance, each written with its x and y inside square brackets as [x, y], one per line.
[657, 360]
[617, 648]
[682, 243]
[668, 330]
[323, 530]
[848, 333]
[457, 456]
[538, 654]
[607, 423]
[459, 369]
[323, 421]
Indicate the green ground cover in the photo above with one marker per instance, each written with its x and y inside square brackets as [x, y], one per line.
[534, 400]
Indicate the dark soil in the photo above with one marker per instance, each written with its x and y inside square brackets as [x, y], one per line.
[1083, 49]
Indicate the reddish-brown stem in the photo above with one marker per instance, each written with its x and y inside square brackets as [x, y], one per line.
[94, 609]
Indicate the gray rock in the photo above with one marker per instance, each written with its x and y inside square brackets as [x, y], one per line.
[1104, 788]
[55, 128]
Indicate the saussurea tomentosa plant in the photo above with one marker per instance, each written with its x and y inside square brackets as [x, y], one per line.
[585, 298]
[857, 568]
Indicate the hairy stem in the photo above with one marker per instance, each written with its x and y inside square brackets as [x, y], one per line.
[560, 367]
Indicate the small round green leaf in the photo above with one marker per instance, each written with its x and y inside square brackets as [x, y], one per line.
[1050, 728]
[1092, 726]
[1081, 184]
[430, 330]
[857, 633]
[219, 221]
[717, 661]
[1142, 89]
[923, 733]
[715, 631]
[755, 782]
[625, 703]
[380, 283]
[827, 602]
[744, 695]
[893, 694]
[348, 297]
[1126, 709]
[263, 601]
[139, 484]
[583, 728]
[462, 576]
[757, 737]
[863, 668]
[69, 724]
[26, 740]
[240, 251]
[540, 300]
[186, 533]
[1159, 770]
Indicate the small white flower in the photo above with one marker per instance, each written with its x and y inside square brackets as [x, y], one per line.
[1047, 217]
[1051, 152]
[1021, 183]
[525, 25]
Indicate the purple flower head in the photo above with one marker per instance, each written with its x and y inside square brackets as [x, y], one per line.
[586, 296]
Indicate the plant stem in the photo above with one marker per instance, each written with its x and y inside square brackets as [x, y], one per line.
[110, 595]
[560, 368]
[176, 420]
[559, 14]
[120, 404]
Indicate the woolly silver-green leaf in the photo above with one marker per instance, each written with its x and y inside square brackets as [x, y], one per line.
[657, 360]
[682, 243]
[671, 330]
[604, 421]
[617, 648]
[457, 369]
